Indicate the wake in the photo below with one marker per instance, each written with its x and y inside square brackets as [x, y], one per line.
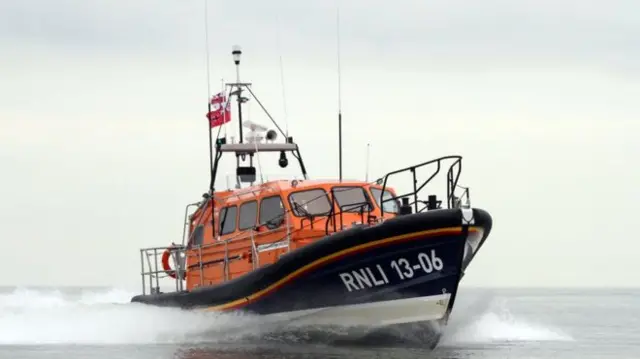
[105, 316]
[481, 321]
[29, 316]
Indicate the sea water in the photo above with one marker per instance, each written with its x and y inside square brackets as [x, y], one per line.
[487, 323]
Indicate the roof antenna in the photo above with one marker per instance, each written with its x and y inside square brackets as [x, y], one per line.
[284, 101]
[339, 96]
[211, 166]
[366, 174]
[206, 39]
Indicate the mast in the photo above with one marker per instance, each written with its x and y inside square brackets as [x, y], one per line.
[339, 98]
[210, 196]
[236, 52]
[253, 144]
[366, 172]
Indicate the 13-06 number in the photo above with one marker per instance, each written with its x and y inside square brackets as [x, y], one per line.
[428, 263]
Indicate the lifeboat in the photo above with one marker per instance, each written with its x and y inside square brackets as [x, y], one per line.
[320, 252]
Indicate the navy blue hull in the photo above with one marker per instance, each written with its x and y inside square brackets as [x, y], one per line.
[395, 271]
[418, 255]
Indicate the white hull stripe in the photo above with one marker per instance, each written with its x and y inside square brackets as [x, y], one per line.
[374, 314]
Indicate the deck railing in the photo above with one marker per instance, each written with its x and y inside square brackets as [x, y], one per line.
[453, 175]
[151, 267]
[152, 271]
[150, 258]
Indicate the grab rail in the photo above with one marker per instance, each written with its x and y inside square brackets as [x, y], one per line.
[332, 217]
[153, 275]
[453, 175]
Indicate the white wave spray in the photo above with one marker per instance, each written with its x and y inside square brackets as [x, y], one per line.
[105, 316]
[481, 322]
[35, 316]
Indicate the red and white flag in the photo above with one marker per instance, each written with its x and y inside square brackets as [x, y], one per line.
[220, 110]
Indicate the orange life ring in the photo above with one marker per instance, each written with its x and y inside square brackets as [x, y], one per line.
[165, 264]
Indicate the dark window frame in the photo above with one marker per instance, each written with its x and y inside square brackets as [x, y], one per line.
[197, 236]
[270, 222]
[221, 222]
[295, 210]
[356, 207]
[377, 198]
[255, 215]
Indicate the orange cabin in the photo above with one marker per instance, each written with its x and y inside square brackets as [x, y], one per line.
[256, 225]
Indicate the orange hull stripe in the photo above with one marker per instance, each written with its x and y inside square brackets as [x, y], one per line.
[335, 256]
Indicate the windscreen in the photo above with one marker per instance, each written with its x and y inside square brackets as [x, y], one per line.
[352, 199]
[313, 202]
[390, 204]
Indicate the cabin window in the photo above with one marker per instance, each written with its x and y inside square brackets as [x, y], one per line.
[228, 219]
[352, 199]
[272, 212]
[313, 202]
[197, 236]
[390, 204]
[248, 215]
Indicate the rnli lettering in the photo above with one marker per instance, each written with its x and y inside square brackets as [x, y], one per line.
[375, 276]
[364, 278]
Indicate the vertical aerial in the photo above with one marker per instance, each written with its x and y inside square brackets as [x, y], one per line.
[206, 40]
[209, 129]
[339, 97]
[366, 172]
[284, 100]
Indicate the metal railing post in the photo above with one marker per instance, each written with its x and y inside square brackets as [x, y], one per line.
[142, 271]
[155, 260]
[200, 265]
[468, 197]
[150, 271]
[226, 260]
[288, 232]
[253, 252]
[256, 258]
[177, 271]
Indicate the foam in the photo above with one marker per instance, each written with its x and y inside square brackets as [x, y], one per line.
[106, 316]
[29, 316]
[480, 322]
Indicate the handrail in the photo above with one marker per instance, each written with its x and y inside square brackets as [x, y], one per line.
[150, 277]
[187, 249]
[226, 259]
[186, 218]
[452, 181]
[251, 231]
[154, 273]
[243, 191]
[236, 238]
[251, 235]
[142, 271]
[202, 204]
[200, 264]
[255, 259]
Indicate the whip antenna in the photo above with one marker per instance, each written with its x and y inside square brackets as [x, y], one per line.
[284, 101]
[339, 95]
[366, 173]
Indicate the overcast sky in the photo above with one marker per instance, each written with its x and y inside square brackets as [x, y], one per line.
[103, 136]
